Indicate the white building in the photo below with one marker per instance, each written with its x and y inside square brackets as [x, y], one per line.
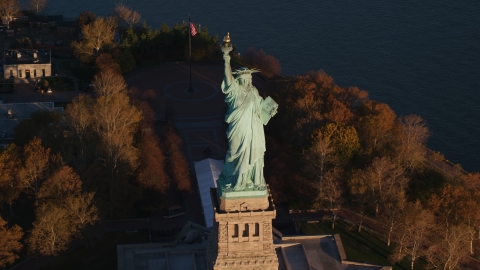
[27, 63]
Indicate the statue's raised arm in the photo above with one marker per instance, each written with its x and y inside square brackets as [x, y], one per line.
[226, 49]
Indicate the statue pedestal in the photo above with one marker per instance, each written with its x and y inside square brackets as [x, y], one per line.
[242, 238]
[245, 200]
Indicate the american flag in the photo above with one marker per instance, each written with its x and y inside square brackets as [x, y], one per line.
[193, 31]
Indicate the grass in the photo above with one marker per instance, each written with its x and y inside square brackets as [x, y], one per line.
[361, 247]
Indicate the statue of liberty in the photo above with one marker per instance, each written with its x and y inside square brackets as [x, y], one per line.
[247, 113]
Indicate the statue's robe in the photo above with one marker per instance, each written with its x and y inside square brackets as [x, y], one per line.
[246, 138]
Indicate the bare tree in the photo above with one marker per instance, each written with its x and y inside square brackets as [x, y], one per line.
[96, 35]
[414, 234]
[10, 245]
[359, 190]
[9, 10]
[392, 211]
[384, 179]
[331, 192]
[412, 143]
[52, 230]
[449, 248]
[319, 154]
[108, 82]
[37, 5]
[35, 165]
[126, 14]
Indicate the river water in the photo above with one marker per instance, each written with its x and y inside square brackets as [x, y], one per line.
[420, 57]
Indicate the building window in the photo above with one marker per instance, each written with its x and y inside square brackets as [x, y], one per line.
[19, 73]
[245, 232]
[43, 72]
[11, 73]
[235, 231]
[257, 230]
[34, 73]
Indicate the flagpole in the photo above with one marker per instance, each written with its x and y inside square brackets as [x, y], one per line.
[190, 89]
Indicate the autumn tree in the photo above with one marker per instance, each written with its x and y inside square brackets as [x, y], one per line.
[375, 122]
[82, 210]
[52, 230]
[10, 245]
[115, 121]
[413, 234]
[79, 116]
[96, 35]
[60, 185]
[446, 204]
[105, 61]
[10, 185]
[152, 174]
[35, 165]
[412, 141]
[177, 162]
[9, 10]
[37, 5]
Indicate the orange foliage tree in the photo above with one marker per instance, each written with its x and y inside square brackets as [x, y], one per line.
[177, 162]
[10, 245]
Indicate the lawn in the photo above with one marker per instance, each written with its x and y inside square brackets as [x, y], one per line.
[359, 247]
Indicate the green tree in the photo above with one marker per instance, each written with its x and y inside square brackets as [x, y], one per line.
[344, 140]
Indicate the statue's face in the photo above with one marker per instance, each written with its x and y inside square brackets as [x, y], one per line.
[245, 80]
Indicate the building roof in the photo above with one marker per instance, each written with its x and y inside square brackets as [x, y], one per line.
[316, 252]
[26, 56]
[207, 172]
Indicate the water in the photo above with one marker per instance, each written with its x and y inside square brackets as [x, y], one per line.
[420, 57]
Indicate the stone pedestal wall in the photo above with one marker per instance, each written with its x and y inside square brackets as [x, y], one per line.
[243, 239]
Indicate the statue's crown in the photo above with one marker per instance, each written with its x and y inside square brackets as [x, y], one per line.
[245, 71]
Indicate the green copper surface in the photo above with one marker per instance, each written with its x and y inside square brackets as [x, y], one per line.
[242, 175]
